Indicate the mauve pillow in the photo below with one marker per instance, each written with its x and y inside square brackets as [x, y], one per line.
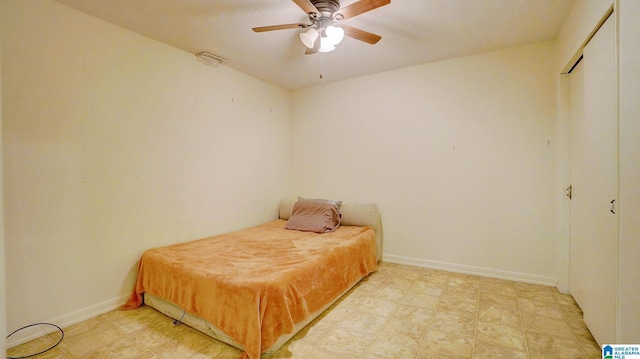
[314, 217]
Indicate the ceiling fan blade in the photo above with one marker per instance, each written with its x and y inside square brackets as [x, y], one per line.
[362, 6]
[306, 6]
[314, 49]
[278, 27]
[360, 34]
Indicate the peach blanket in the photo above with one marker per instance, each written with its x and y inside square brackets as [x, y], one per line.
[255, 284]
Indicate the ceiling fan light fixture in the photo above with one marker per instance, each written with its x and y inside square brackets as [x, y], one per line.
[335, 34]
[309, 37]
[326, 45]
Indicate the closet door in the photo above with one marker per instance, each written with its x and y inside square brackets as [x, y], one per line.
[594, 177]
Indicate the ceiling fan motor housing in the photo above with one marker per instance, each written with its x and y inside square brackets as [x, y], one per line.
[326, 7]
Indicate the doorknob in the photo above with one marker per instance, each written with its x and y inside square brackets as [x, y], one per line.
[613, 206]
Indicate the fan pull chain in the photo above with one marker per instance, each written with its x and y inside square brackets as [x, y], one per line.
[322, 69]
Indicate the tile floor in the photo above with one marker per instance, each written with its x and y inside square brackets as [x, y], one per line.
[397, 312]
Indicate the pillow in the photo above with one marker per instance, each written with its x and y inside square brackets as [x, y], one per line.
[335, 202]
[314, 217]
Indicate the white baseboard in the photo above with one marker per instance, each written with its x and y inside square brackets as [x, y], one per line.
[480, 271]
[66, 320]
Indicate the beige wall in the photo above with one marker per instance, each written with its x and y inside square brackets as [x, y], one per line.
[114, 143]
[459, 155]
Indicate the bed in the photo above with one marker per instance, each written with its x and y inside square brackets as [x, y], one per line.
[257, 287]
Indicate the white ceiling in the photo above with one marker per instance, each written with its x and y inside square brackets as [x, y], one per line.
[413, 32]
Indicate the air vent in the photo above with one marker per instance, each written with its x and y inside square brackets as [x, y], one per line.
[209, 59]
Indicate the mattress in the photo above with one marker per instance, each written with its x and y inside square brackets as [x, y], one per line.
[257, 287]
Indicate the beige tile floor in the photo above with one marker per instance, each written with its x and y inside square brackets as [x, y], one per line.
[397, 312]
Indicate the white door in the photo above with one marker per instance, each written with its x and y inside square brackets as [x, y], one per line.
[594, 178]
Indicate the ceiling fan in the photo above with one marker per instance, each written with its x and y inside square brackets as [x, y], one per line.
[322, 34]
